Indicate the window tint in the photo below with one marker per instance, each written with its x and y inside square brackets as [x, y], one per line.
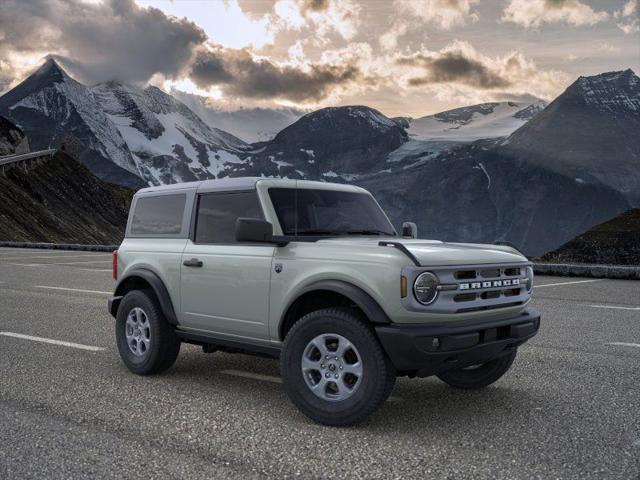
[218, 212]
[159, 215]
[328, 212]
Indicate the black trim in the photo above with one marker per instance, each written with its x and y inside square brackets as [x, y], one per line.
[509, 244]
[402, 248]
[428, 350]
[113, 303]
[362, 299]
[162, 294]
[224, 344]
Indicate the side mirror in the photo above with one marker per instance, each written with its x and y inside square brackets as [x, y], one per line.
[253, 230]
[409, 230]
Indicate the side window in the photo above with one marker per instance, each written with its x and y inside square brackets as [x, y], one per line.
[158, 215]
[218, 212]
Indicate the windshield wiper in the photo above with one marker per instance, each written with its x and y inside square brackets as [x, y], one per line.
[369, 232]
[318, 231]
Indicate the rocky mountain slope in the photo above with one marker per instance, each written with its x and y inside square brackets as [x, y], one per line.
[343, 143]
[478, 194]
[537, 194]
[590, 133]
[12, 140]
[61, 201]
[614, 242]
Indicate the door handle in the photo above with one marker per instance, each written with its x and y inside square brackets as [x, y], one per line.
[194, 262]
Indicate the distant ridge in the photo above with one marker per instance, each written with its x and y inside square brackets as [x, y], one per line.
[614, 242]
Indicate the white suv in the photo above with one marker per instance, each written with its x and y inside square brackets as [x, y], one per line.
[314, 273]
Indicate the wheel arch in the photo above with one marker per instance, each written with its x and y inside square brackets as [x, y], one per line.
[330, 293]
[142, 278]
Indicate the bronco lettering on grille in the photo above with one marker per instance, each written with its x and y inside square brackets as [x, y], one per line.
[491, 284]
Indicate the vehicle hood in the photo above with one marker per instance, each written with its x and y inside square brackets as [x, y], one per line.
[437, 253]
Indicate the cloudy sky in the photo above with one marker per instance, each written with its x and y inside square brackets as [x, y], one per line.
[404, 57]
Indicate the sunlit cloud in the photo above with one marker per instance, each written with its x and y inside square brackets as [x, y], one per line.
[628, 17]
[444, 14]
[322, 17]
[460, 71]
[389, 40]
[533, 13]
[238, 72]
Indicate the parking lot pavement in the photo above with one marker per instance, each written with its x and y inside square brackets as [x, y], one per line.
[567, 409]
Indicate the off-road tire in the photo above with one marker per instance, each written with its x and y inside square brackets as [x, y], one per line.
[479, 377]
[164, 343]
[378, 376]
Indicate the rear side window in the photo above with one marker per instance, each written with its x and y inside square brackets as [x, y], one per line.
[159, 215]
[218, 212]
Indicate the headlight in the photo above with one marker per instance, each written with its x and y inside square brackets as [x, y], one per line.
[529, 279]
[425, 288]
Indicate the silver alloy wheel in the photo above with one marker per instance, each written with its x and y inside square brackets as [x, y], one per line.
[138, 331]
[332, 367]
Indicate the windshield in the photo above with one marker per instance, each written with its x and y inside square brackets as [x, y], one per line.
[328, 212]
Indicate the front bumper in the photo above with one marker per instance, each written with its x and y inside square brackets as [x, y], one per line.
[429, 350]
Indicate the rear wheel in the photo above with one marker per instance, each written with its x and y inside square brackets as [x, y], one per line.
[146, 342]
[334, 369]
[479, 376]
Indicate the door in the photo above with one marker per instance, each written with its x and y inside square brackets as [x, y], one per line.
[225, 284]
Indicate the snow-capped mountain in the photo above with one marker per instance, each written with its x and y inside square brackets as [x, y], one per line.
[343, 143]
[49, 105]
[168, 141]
[250, 124]
[131, 136]
[466, 124]
[574, 165]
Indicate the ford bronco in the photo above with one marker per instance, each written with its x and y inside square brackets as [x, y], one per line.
[314, 274]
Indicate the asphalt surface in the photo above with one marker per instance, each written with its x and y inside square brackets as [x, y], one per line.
[569, 408]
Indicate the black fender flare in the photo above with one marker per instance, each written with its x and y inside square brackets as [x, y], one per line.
[158, 287]
[357, 295]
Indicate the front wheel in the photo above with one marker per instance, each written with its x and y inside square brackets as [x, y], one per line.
[334, 369]
[479, 376]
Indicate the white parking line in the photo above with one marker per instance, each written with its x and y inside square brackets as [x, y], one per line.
[623, 344]
[566, 283]
[73, 289]
[614, 307]
[57, 263]
[30, 257]
[253, 376]
[96, 269]
[52, 342]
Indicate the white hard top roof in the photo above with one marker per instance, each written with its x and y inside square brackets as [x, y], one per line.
[244, 183]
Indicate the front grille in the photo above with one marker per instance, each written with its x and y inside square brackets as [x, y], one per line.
[475, 288]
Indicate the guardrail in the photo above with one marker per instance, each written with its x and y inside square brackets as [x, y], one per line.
[25, 157]
[60, 246]
[630, 272]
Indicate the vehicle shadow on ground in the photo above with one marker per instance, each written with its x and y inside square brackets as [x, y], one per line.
[415, 404]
